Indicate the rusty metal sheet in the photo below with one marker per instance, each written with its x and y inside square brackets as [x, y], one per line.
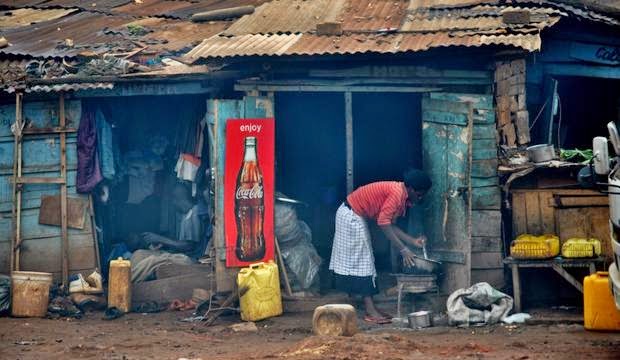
[373, 15]
[90, 5]
[22, 17]
[14, 4]
[287, 16]
[83, 28]
[179, 9]
[309, 44]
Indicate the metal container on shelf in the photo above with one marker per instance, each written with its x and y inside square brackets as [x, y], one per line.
[541, 153]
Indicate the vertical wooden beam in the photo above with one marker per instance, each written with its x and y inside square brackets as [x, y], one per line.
[348, 115]
[63, 194]
[17, 192]
[516, 287]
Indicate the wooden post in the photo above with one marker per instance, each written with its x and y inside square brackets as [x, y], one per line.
[63, 195]
[348, 115]
[287, 284]
[516, 286]
[17, 192]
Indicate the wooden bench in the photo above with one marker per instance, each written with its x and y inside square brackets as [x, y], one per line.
[558, 264]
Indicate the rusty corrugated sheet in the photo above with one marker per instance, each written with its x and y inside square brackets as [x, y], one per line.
[179, 9]
[14, 4]
[373, 15]
[47, 39]
[26, 16]
[309, 44]
[91, 5]
[287, 16]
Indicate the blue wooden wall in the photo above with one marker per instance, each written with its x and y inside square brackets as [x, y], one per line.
[41, 249]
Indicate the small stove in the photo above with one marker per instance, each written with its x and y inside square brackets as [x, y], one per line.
[414, 284]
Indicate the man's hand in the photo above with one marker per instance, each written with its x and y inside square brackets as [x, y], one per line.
[407, 257]
[419, 241]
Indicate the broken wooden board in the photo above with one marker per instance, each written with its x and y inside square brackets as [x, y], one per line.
[50, 211]
[172, 270]
[166, 290]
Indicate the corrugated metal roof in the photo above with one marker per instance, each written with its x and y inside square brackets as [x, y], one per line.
[373, 15]
[68, 87]
[179, 9]
[309, 44]
[23, 17]
[47, 39]
[286, 16]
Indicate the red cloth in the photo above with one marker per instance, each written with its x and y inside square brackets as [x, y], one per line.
[383, 201]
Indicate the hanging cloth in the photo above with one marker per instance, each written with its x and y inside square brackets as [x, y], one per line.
[88, 171]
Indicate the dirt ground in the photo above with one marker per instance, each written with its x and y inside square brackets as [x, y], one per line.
[164, 336]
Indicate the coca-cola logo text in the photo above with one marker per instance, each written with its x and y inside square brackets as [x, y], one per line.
[256, 192]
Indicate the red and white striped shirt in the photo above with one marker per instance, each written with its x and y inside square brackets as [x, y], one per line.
[383, 201]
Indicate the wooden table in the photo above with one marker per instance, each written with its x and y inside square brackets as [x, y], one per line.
[558, 264]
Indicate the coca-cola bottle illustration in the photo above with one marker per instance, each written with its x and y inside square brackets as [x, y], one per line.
[250, 206]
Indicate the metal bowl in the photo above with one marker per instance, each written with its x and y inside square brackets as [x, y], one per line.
[422, 266]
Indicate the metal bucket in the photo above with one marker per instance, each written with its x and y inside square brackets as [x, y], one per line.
[30, 293]
[420, 319]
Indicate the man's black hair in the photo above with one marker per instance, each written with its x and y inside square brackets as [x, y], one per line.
[417, 179]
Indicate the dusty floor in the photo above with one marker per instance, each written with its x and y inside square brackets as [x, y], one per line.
[163, 336]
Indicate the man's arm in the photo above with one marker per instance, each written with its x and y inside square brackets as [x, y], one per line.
[408, 239]
[390, 232]
[182, 246]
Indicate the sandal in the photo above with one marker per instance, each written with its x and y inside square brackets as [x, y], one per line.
[377, 320]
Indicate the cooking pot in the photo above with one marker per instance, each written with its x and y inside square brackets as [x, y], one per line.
[420, 319]
[425, 265]
[541, 153]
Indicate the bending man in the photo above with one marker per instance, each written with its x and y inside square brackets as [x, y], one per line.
[352, 259]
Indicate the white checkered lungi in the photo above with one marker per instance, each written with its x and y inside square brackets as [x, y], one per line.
[352, 250]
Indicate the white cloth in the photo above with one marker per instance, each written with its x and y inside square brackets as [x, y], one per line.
[352, 250]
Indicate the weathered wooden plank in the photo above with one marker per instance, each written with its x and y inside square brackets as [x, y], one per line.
[40, 114]
[443, 117]
[486, 260]
[172, 270]
[484, 116]
[547, 213]
[478, 101]
[484, 131]
[485, 154]
[166, 290]
[484, 144]
[522, 123]
[484, 168]
[45, 254]
[495, 277]
[50, 213]
[519, 214]
[486, 243]
[574, 201]
[533, 214]
[482, 182]
[429, 104]
[486, 198]
[486, 223]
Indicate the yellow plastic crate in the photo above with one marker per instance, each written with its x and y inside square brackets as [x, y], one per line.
[528, 246]
[581, 248]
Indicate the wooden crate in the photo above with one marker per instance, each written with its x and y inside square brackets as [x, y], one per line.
[567, 213]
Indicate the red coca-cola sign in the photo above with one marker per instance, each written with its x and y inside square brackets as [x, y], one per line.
[249, 191]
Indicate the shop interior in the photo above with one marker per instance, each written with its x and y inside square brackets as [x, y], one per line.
[311, 155]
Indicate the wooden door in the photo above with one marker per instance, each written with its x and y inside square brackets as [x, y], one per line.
[447, 121]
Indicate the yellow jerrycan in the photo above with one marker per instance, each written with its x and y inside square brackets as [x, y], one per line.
[259, 291]
[599, 308]
[119, 285]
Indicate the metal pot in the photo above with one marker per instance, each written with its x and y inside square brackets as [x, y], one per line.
[541, 153]
[426, 265]
[420, 319]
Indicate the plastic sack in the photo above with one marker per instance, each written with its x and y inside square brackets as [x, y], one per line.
[5, 293]
[479, 304]
[302, 259]
[287, 227]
